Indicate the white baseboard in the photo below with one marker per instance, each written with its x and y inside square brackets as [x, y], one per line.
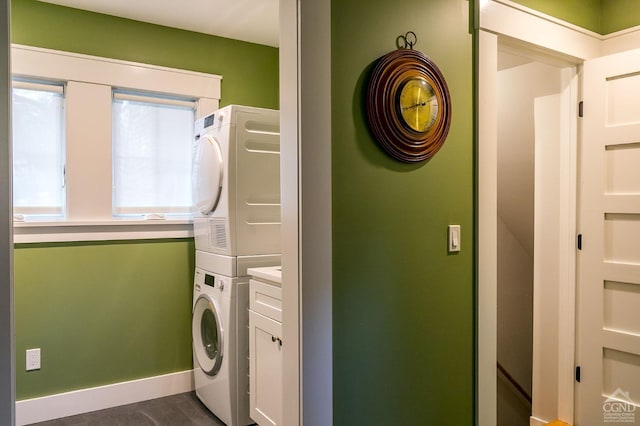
[82, 401]
[534, 421]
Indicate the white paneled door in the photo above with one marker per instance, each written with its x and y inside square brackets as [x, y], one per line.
[608, 303]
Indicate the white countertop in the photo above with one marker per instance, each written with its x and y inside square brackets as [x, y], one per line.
[268, 273]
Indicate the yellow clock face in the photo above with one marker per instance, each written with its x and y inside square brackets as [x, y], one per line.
[418, 105]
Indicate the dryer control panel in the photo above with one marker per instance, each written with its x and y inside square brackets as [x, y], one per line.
[207, 282]
[211, 281]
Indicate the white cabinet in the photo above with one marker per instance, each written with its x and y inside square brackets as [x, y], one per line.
[265, 370]
[265, 351]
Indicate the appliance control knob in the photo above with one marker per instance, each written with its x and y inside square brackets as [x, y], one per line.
[221, 284]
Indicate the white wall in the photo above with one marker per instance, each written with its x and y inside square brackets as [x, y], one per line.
[517, 88]
[7, 375]
[515, 306]
[547, 253]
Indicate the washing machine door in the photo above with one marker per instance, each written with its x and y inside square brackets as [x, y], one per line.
[207, 335]
[207, 174]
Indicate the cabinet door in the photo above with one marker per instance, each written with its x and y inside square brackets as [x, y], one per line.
[265, 369]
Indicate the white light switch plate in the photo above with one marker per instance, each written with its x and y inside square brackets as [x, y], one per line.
[454, 238]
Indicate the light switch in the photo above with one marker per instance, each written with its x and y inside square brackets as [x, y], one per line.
[454, 238]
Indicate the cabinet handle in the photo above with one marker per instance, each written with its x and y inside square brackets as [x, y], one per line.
[274, 339]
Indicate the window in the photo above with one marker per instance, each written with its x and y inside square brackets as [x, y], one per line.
[152, 150]
[113, 152]
[38, 149]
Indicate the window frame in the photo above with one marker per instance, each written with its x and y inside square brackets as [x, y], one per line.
[89, 84]
[57, 89]
[157, 102]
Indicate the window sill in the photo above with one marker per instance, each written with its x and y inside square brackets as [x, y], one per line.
[108, 230]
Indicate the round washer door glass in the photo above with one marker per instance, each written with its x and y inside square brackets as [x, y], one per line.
[207, 174]
[207, 335]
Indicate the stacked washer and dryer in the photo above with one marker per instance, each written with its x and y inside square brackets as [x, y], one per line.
[236, 188]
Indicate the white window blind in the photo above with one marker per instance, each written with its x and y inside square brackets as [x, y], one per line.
[152, 148]
[38, 149]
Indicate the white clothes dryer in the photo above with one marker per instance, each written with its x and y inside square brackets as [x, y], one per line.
[220, 345]
[236, 185]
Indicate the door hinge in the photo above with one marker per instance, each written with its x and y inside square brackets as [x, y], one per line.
[579, 241]
[578, 373]
[580, 109]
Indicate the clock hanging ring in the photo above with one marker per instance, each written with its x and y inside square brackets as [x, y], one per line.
[408, 104]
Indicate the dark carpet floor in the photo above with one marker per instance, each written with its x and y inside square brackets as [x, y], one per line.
[183, 409]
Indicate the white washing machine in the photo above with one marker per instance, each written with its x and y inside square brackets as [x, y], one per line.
[236, 189]
[220, 345]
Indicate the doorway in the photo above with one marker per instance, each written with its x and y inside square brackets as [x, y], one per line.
[305, 70]
[564, 50]
[535, 177]
[508, 21]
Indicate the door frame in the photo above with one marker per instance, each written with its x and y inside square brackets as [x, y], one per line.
[305, 132]
[505, 20]
[7, 342]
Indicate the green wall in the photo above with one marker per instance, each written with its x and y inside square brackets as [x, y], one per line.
[102, 312]
[403, 309]
[115, 311]
[600, 16]
[619, 14]
[249, 71]
[583, 13]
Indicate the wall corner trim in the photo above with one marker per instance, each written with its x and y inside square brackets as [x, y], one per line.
[98, 398]
[504, 17]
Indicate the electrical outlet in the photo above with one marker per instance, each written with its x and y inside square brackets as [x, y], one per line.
[33, 359]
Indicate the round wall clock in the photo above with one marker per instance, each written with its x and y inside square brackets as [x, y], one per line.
[408, 104]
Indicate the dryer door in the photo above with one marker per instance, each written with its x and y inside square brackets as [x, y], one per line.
[207, 174]
[207, 335]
